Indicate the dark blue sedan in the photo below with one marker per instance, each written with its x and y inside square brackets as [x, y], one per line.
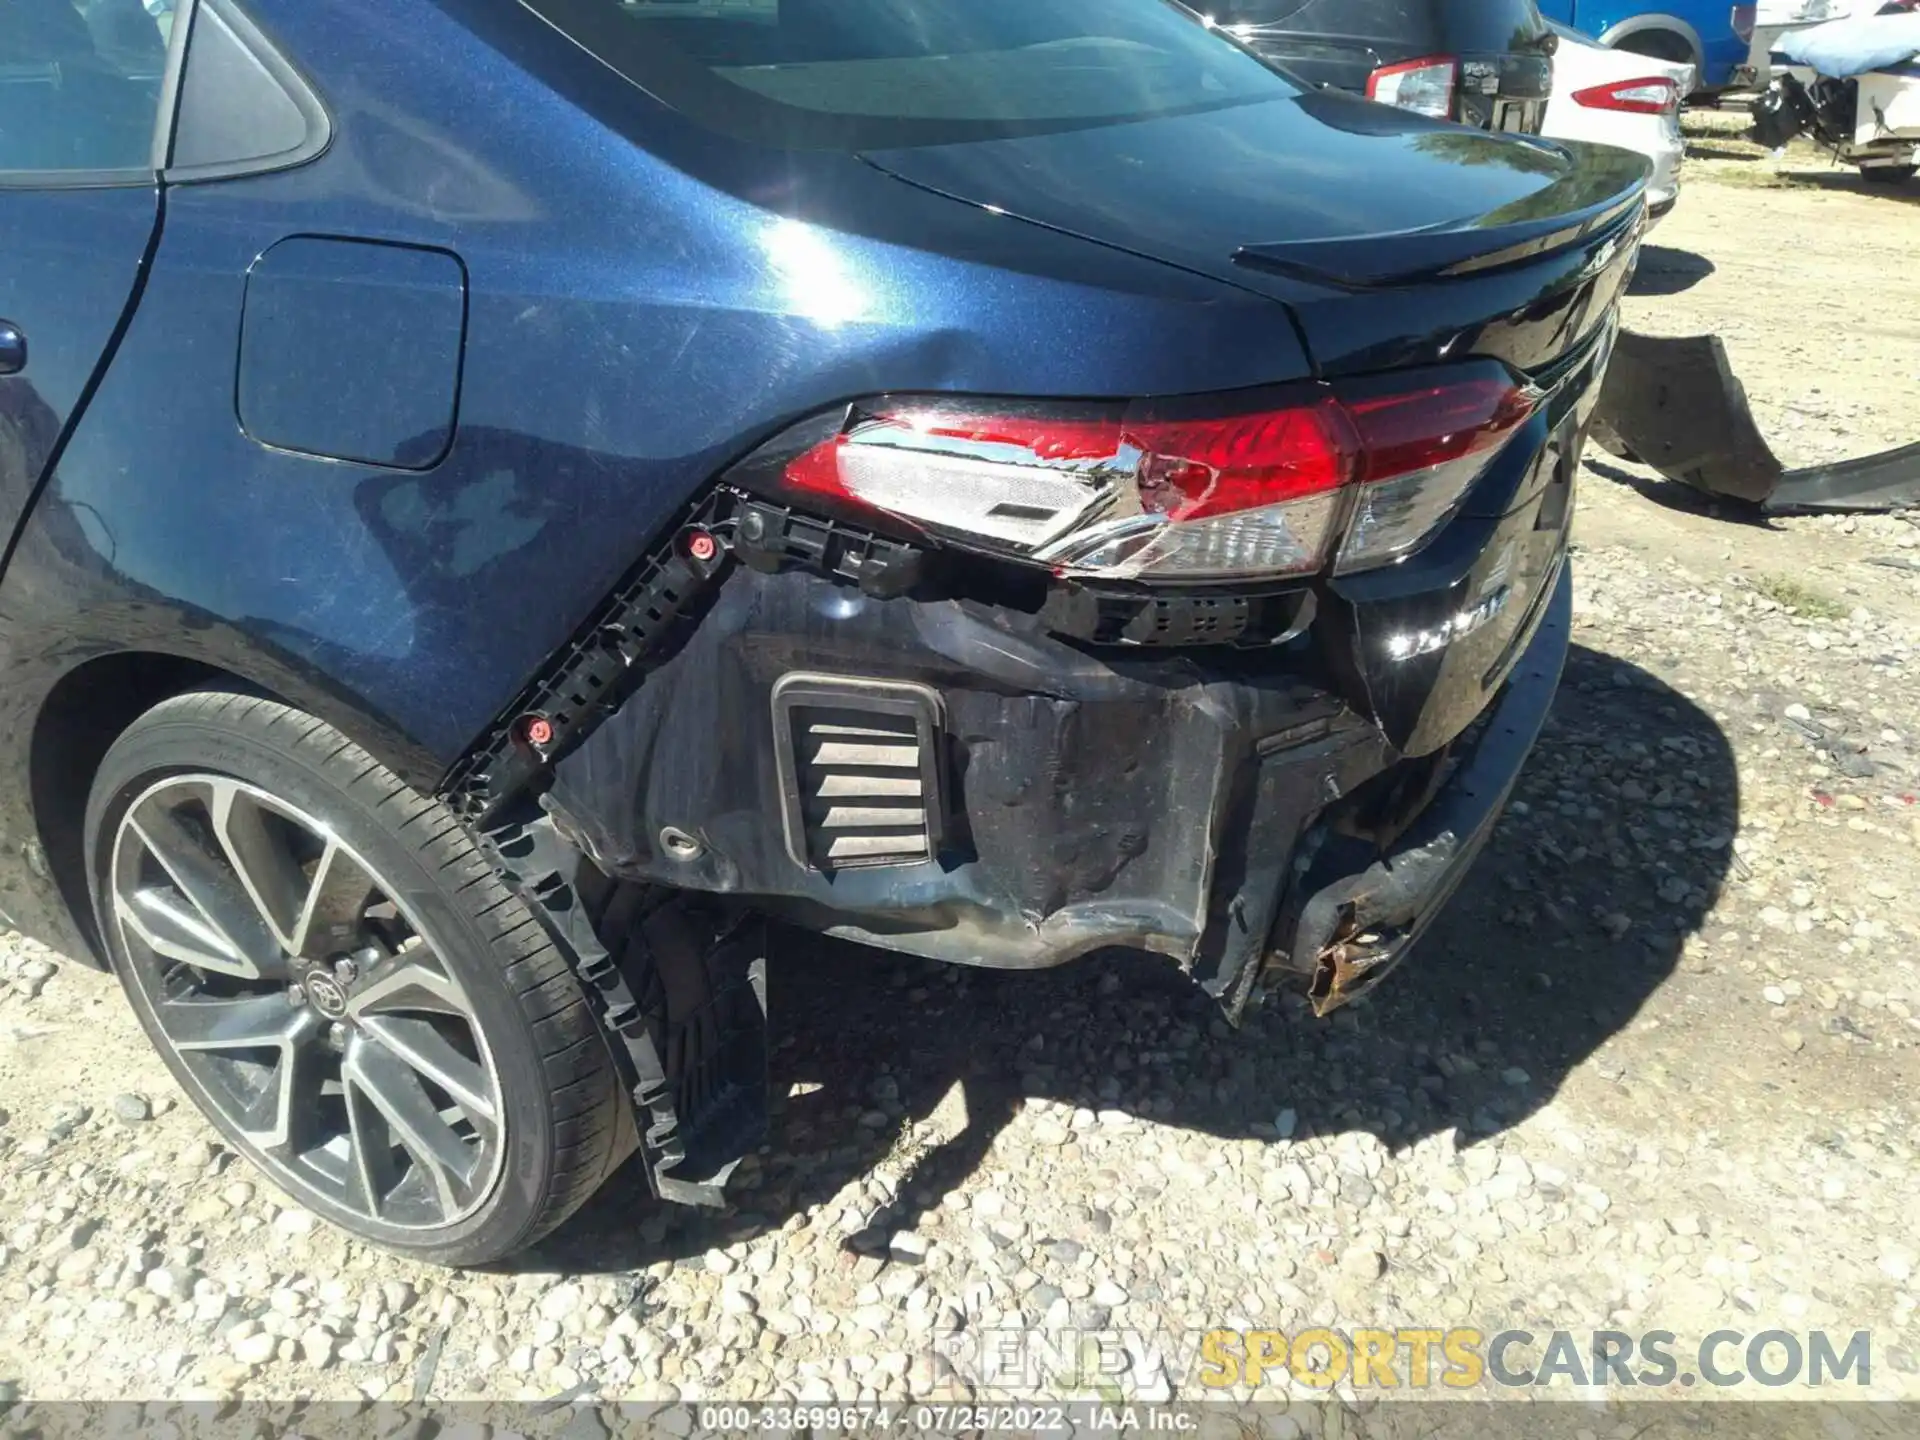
[505, 498]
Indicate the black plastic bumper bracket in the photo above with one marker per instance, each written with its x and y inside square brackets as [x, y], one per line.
[681, 994]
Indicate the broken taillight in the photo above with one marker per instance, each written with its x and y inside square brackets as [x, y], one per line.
[1351, 475]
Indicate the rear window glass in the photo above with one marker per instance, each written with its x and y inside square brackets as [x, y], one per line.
[872, 74]
[1399, 26]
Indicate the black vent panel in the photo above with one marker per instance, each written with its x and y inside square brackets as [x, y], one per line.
[860, 770]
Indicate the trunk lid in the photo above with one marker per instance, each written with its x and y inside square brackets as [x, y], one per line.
[1322, 199]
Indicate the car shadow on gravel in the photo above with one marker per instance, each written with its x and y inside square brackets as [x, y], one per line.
[1674, 495]
[1850, 181]
[1664, 270]
[1569, 924]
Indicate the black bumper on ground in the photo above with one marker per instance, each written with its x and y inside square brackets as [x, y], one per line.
[1673, 402]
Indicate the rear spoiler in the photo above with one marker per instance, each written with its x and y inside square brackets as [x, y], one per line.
[1442, 252]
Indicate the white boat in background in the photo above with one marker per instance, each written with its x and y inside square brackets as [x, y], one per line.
[1854, 85]
[1771, 19]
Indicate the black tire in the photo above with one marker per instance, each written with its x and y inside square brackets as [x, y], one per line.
[562, 1119]
[1658, 45]
[1889, 174]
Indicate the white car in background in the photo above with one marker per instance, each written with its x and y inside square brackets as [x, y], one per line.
[1614, 97]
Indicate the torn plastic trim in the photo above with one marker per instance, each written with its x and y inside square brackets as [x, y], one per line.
[643, 622]
[1675, 404]
[1354, 929]
[1084, 794]
[639, 623]
[681, 1003]
[651, 613]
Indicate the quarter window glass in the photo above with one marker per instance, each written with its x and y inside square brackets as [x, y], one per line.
[80, 82]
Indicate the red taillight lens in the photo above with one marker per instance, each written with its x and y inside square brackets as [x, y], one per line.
[1423, 448]
[1196, 469]
[1425, 85]
[1168, 490]
[1745, 17]
[1654, 95]
[1406, 431]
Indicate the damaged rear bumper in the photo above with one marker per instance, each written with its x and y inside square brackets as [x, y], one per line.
[951, 779]
[1347, 928]
[948, 779]
[972, 762]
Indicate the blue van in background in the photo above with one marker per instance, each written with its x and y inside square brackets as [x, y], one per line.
[1702, 33]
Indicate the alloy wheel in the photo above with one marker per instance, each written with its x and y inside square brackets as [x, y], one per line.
[304, 1004]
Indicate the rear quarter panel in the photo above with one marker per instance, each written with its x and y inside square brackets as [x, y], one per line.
[630, 329]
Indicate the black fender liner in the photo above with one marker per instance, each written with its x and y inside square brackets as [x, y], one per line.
[677, 979]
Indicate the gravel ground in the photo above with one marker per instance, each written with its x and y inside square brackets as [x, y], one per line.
[1655, 1069]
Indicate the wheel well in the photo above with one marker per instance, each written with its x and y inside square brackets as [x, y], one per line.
[1660, 45]
[82, 717]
